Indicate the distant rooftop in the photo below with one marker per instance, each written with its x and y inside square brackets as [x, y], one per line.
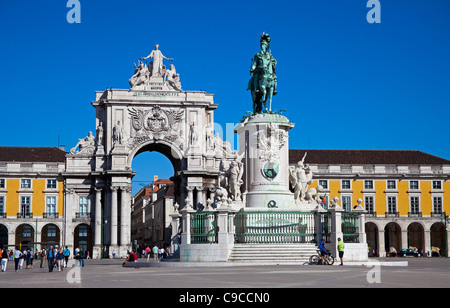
[366, 157]
[32, 154]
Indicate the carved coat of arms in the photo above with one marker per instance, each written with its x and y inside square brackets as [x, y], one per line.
[155, 123]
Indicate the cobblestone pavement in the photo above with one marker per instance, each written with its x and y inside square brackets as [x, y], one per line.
[390, 273]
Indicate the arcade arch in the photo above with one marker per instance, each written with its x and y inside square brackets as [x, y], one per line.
[437, 234]
[372, 236]
[416, 236]
[25, 236]
[50, 235]
[393, 237]
[3, 236]
[83, 237]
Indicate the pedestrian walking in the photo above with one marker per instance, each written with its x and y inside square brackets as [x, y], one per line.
[60, 260]
[341, 250]
[82, 257]
[66, 253]
[22, 258]
[155, 253]
[147, 252]
[5, 257]
[51, 259]
[17, 255]
[43, 255]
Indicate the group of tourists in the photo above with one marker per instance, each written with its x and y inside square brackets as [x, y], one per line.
[56, 257]
[158, 254]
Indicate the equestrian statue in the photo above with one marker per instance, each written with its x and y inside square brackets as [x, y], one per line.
[263, 84]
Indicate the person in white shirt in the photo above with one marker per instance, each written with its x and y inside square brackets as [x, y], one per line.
[17, 256]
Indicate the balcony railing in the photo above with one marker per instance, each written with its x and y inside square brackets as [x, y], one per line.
[82, 215]
[50, 215]
[391, 214]
[414, 214]
[24, 215]
[371, 214]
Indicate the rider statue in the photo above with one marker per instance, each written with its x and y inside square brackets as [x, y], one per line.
[263, 83]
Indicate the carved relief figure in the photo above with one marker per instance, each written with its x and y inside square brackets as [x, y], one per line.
[100, 134]
[173, 79]
[85, 145]
[141, 75]
[118, 133]
[300, 177]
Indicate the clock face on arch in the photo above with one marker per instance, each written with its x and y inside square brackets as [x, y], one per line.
[270, 170]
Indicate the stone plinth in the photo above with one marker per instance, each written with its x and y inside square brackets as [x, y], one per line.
[265, 140]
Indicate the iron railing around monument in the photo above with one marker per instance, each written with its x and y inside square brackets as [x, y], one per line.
[325, 226]
[274, 227]
[203, 228]
[350, 227]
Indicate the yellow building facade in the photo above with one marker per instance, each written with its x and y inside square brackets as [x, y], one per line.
[31, 197]
[406, 195]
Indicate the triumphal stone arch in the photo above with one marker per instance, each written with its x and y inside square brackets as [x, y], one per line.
[154, 114]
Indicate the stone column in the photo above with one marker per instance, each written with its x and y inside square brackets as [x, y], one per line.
[125, 220]
[426, 241]
[114, 226]
[362, 222]
[98, 224]
[404, 239]
[190, 193]
[175, 237]
[69, 196]
[336, 228]
[186, 224]
[200, 200]
[381, 243]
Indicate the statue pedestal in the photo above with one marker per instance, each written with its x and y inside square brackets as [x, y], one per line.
[265, 140]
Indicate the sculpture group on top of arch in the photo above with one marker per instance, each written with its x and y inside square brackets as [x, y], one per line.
[155, 73]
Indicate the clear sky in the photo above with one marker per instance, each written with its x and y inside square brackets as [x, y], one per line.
[345, 83]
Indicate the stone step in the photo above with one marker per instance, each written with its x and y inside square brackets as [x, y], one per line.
[275, 253]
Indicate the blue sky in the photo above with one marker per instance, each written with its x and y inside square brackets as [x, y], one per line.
[345, 83]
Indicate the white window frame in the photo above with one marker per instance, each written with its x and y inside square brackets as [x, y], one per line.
[22, 204]
[349, 205]
[414, 188]
[48, 209]
[366, 205]
[3, 204]
[326, 181]
[391, 181]
[48, 181]
[369, 188]
[433, 199]
[80, 209]
[345, 188]
[411, 204]
[388, 206]
[2, 186]
[22, 181]
[436, 188]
